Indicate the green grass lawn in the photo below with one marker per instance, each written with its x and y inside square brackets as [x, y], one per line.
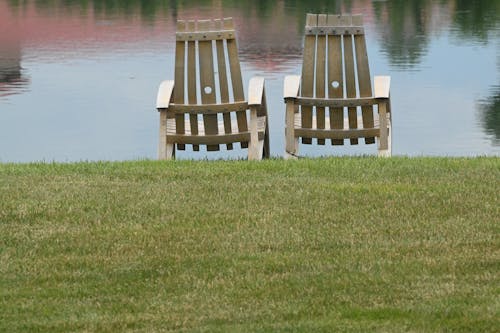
[314, 245]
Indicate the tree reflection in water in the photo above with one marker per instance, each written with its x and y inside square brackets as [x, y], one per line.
[12, 78]
[490, 114]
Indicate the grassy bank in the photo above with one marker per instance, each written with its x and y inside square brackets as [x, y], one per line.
[341, 244]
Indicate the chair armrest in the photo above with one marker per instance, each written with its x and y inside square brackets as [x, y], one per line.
[164, 94]
[255, 91]
[291, 86]
[382, 85]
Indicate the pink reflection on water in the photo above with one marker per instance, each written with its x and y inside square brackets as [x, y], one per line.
[59, 33]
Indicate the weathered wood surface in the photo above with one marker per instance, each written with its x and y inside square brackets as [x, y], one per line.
[236, 79]
[291, 86]
[205, 35]
[223, 82]
[335, 77]
[164, 94]
[179, 78]
[212, 139]
[333, 133]
[307, 86]
[382, 85]
[364, 79]
[335, 89]
[191, 78]
[320, 74]
[207, 82]
[207, 70]
[208, 108]
[337, 102]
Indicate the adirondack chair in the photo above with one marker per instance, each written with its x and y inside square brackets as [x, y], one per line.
[333, 99]
[184, 120]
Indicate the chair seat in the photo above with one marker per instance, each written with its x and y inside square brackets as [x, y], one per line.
[221, 138]
[298, 122]
[331, 133]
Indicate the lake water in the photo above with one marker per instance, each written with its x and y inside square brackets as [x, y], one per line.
[78, 79]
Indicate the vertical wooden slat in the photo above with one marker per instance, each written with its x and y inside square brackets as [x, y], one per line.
[364, 79]
[236, 80]
[350, 80]
[179, 81]
[223, 84]
[191, 78]
[335, 75]
[320, 75]
[207, 81]
[307, 86]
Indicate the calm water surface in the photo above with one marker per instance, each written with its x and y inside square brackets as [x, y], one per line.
[78, 79]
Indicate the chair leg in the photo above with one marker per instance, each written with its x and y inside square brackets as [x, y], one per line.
[166, 151]
[170, 151]
[254, 152]
[162, 140]
[292, 143]
[384, 144]
[388, 152]
[266, 151]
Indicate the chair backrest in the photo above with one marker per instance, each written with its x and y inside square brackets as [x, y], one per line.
[198, 43]
[335, 65]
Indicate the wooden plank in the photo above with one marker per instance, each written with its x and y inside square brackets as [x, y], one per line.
[253, 148]
[214, 139]
[297, 122]
[382, 86]
[208, 108]
[236, 80]
[256, 91]
[179, 79]
[207, 82]
[384, 143]
[335, 76]
[223, 83]
[191, 78]
[337, 102]
[261, 122]
[170, 146]
[336, 134]
[364, 79]
[320, 74]
[291, 86]
[258, 108]
[222, 138]
[164, 94]
[357, 20]
[162, 142]
[350, 81]
[216, 34]
[291, 143]
[334, 31]
[307, 87]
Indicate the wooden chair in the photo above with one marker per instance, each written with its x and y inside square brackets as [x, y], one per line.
[333, 99]
[199, 111]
